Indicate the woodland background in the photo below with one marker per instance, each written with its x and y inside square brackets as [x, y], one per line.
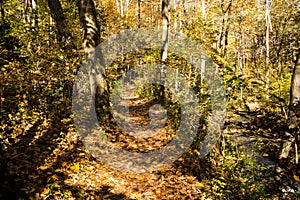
[255, 45]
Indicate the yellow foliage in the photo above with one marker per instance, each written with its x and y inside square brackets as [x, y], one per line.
[199, 185]
[296, 178]
[75, 167]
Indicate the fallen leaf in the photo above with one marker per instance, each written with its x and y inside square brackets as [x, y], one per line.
[75, 167]
[296, 178]
[46, 191]
[199, 185]
[44, 167]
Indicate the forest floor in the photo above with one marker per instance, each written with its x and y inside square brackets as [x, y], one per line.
[47, 160]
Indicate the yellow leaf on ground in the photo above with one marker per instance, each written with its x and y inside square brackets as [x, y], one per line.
[89, 168]
[55, 177]
[296, 178]
[43, 167]
[57, 192]
[197, 152]
[46, 191]
[75, 167]
[200, 185]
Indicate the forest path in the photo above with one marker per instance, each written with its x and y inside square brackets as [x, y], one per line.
[143, 111]
[141, 114]
[140, 124]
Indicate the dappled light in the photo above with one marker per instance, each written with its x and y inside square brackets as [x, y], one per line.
[147, 100]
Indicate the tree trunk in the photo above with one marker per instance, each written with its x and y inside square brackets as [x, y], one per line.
[30, 12]
[34, 14]
[60, 21]
[268, 29]
[164, 49]
[139, 13]
[295, 88]
[2, 10]
[294, 112]
[119, 4]
[203, 10]
[165, 29]
[26, 12]
[224, 27]
[90, 39]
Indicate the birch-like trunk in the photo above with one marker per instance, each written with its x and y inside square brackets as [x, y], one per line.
[165, 42]
[268, 30]
[30, 12]
[90, 39]
[203, 10]
[34, 13]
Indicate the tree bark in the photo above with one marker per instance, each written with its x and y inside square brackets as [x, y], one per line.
[203, 10]
[165, 42]
[294, 111]
[60, 21]
[295, 88]
[165, 29]
[2, 10]
[139, 13]
[268, 29]
[90, 39]
[34, 13]
[30, 12]
[26, 11]
[120, 7]
[224, 27]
